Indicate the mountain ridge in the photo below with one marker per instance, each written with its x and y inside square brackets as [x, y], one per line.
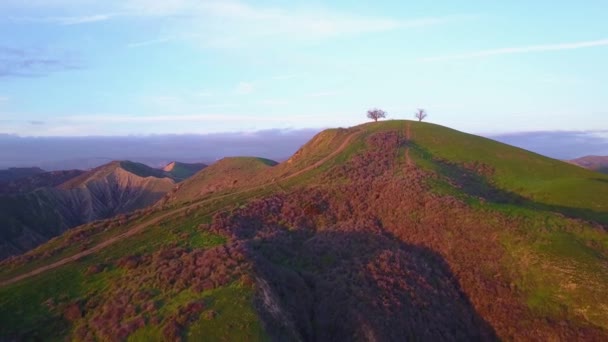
[118, 187]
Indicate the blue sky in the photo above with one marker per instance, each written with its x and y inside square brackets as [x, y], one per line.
[85, 67]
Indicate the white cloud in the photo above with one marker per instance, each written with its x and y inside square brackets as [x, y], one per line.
[151, 42]
[203, 94]
[67, 20]
[285, 77]
[525, 49]
[189, 118]
[244, 88]
[85, 19]
[222, 23]
[323, 94]
[273, 102]
[162, 100]
[232, 24]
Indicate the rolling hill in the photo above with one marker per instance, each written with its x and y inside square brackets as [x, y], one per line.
[29, 218]
[596, 163]
[182, 171]
[384, 231]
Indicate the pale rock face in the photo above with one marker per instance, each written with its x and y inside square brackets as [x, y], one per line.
[169, 167]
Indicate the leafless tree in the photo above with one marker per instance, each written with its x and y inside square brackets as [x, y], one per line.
[420, 114]
[376, 114]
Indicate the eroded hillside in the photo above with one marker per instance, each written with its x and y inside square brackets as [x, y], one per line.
[28, 218]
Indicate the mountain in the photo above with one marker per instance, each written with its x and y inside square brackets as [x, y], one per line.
[596, 163]
[387, 231]
[225, 174]
[183, 171]
[39, 180]
[16, 173]
[120, 187]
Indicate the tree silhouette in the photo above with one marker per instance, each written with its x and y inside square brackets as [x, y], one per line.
[376, 114]
[420, 114]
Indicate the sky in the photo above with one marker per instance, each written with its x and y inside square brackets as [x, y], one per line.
[141, 67]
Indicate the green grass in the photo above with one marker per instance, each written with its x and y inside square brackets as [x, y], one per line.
[541, 179]
[149, 333]
[228, 316]
[560, 266]
[235, 319]
[22, 308]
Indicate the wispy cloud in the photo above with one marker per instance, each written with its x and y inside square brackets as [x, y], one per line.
[188, 118]
[85, 19]
[323, 94]
[67, 20]
[285, 77]
[516, 50]
[16, 62]
[151, 42]
[234, 24]
[223, 23]
[273, 102]
[203, 93]
[244, 88]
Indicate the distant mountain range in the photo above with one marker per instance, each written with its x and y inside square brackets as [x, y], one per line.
[36, 205]
[595, 163]
[15, 173]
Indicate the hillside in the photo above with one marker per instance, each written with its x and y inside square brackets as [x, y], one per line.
[595, 163]
[15, 173]
[181, 171]
[39, 180]
[30, 218]
[381, 232]
[225, 174]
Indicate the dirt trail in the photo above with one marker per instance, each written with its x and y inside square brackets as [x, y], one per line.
[138, 228]
[326, 158]
[408, 136]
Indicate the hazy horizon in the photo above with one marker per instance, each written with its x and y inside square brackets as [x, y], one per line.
[55, 153]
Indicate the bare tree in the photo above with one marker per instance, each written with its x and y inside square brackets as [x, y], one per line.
[420, 114]
[376, 114]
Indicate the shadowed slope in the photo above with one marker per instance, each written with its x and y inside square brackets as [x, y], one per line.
[39, 180]
[15, 173]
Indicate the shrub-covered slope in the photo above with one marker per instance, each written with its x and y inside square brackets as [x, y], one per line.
[386, 231]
